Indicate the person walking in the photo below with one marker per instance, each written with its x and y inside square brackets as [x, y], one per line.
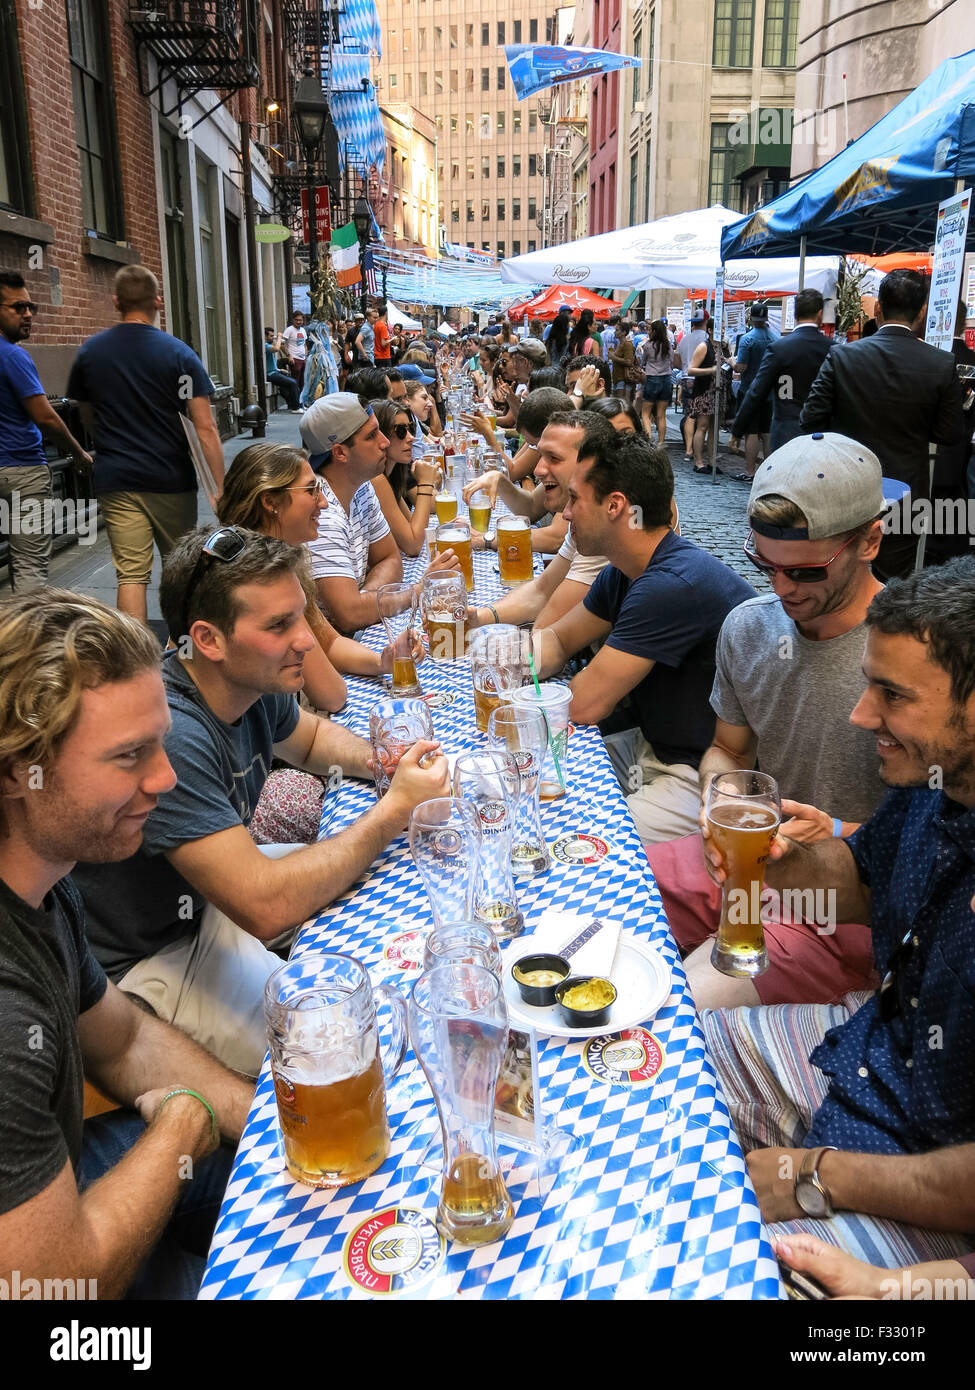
[135, 381]
[703, 371]
[785, 375]
[622, 358]
[686, 348]
[655, 361]
[751, 350]
[26, 415]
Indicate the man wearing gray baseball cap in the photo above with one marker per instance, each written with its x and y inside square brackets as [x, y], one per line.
[788, 676]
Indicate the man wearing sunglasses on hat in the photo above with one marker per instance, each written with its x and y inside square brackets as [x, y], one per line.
[26, 415]
[788, 674]
[187, 924]
[869, 1109]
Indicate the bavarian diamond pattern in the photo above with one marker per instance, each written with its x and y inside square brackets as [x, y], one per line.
[648, 1197]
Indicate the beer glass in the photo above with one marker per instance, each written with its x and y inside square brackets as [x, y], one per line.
[479, 509]
[743, 812]
[398, 605]
[443, 603]
[445, 503]
[329, 1071]
[456, 536]
[445, 841]
[430, 536]
[394, 727]
[459, 1030]
[514, 550]
[499, 664]
[467, 943]
[523, 732]
[490, 782]
[553, 699]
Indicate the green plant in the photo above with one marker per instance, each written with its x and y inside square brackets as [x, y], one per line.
[849, 310]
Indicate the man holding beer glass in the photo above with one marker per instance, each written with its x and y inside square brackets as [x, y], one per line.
[788, 675]
[868, 1121]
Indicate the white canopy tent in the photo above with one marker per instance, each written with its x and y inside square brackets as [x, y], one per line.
[682, 252]
[446, 331]
[400, 316]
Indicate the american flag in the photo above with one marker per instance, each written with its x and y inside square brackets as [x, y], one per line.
[371, 283]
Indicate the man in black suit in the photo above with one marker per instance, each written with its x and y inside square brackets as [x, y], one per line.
[895, 394]
[787, 371]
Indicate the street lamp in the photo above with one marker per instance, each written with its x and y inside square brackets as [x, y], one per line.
[362, 218]
[310, 107]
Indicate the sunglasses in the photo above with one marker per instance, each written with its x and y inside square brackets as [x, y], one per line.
[224, 544]
[404, 431]
[315, 489]
[888, 1000]
[23, 306]
[796, 574]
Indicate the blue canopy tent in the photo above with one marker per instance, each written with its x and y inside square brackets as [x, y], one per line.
[881, 193]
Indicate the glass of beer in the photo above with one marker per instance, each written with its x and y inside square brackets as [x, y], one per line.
[430, 535]
[743, 811]
[394, 727]
[445, 502]
[514, 550]
[329, 1069]
[459, 1030]
[479, 509]
[444, 606]
[456, 536]
[499, 666]
[399, 608]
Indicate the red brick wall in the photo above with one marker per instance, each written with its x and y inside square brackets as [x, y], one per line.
[86, 282]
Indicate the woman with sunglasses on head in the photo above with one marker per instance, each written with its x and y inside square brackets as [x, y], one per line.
[406, 492]
[271, 488]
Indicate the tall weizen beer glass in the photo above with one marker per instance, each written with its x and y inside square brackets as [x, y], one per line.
[514, 550]
[456, 536]
[398, 608]
[329, 1072]
[743, 810]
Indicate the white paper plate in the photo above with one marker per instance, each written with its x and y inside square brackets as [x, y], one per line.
[641, 977]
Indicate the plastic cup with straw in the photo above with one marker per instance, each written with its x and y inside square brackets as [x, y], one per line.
[539, 697]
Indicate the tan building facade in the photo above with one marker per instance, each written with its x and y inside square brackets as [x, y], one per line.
[404, 198]
[885, 50]
[452, 69]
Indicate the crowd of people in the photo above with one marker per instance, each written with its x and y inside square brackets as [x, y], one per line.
[154, 869]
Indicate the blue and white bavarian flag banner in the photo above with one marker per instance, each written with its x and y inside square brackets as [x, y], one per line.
[534, 67]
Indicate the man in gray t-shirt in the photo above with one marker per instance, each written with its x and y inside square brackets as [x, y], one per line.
[788, 677]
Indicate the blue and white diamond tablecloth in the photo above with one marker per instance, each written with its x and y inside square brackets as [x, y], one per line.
[649, 1195]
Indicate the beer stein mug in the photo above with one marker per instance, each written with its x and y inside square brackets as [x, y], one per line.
[329, 1070]
[394, 727]
[490, 782]
[398, 605]
[456, 536]
[523, 733]
[443, 603]
[499, 665]
[464, 943]
[743, 811]
[445, 841]
[459, 1031]
[514, 540]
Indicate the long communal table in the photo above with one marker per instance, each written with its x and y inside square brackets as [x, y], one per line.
[645, 1193]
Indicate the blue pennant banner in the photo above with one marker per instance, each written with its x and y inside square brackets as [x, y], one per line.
[534, 67]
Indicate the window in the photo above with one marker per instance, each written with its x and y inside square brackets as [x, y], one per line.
[438, 81]
[453, 79]
[454, 169]
[637, 40]
[485, 209]
[532, 209]
[453, 36]
[484, 129]
[439, 169]
[485, 33]
[533, 166]
[406, 40]
[516, 122]
[393, 82]
[437, 36]
[532, 245]
[550, 30]
[634, 175]
[516, 209]
[516, 248]
[469, 124]
[485, 79]
[500, 209]
[423, 36]
[409, 84]
[781, 24]
[532, 122]
[470, 167]
[423, 84]
[500, 250]
[721, 187]
[453, 124]
[485, 166]
[15, 173]
[517, 34]
[454, 210]
[469, 79]
[94, 118]
[485, 246]
[648, 66]
[648, 175]
[470, 209]
[469, 35]
[516, 165]
[501, 72]
[500, 166]
[500, 32]
[500, 122]
[177, 318]
[533, 31]
[440, 120]
[208, 265]
[733, 33]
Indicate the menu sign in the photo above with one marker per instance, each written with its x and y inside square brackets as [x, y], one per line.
[946, 273]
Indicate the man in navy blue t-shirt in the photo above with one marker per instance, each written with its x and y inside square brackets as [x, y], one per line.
[26, 415]
[138, 381]
[657, 608]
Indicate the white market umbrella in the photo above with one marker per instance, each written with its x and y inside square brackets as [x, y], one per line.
[398, 315]
[682, 252]
[445, 330]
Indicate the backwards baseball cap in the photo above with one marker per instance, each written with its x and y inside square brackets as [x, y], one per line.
[759, 312]
[834, 481]
[409, 371]
[699, 316]
[533, 349]
[331, 420]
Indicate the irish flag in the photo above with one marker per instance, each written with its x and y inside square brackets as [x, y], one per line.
[345, 255]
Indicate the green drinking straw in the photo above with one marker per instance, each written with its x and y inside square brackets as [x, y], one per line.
[548, 727]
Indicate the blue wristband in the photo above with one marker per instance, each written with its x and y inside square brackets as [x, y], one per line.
[837, 828]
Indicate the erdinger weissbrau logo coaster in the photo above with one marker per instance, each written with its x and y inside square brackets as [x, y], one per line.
[405, 951]
[581, 850]
[633, 1057]
[393, 1250]
[438, 699]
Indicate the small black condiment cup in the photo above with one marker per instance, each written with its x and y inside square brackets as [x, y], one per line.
[583, 1018]
[539, 995]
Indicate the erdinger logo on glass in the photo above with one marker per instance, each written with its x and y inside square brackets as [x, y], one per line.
[632, 1057]
[493, 814]
[446, 844]
[524, 761]
[392, 1250]
[284, 1091]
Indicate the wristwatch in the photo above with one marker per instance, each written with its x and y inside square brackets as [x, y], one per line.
[811, 1193]
[577, 393]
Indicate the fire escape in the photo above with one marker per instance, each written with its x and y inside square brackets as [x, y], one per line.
[200, 45]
